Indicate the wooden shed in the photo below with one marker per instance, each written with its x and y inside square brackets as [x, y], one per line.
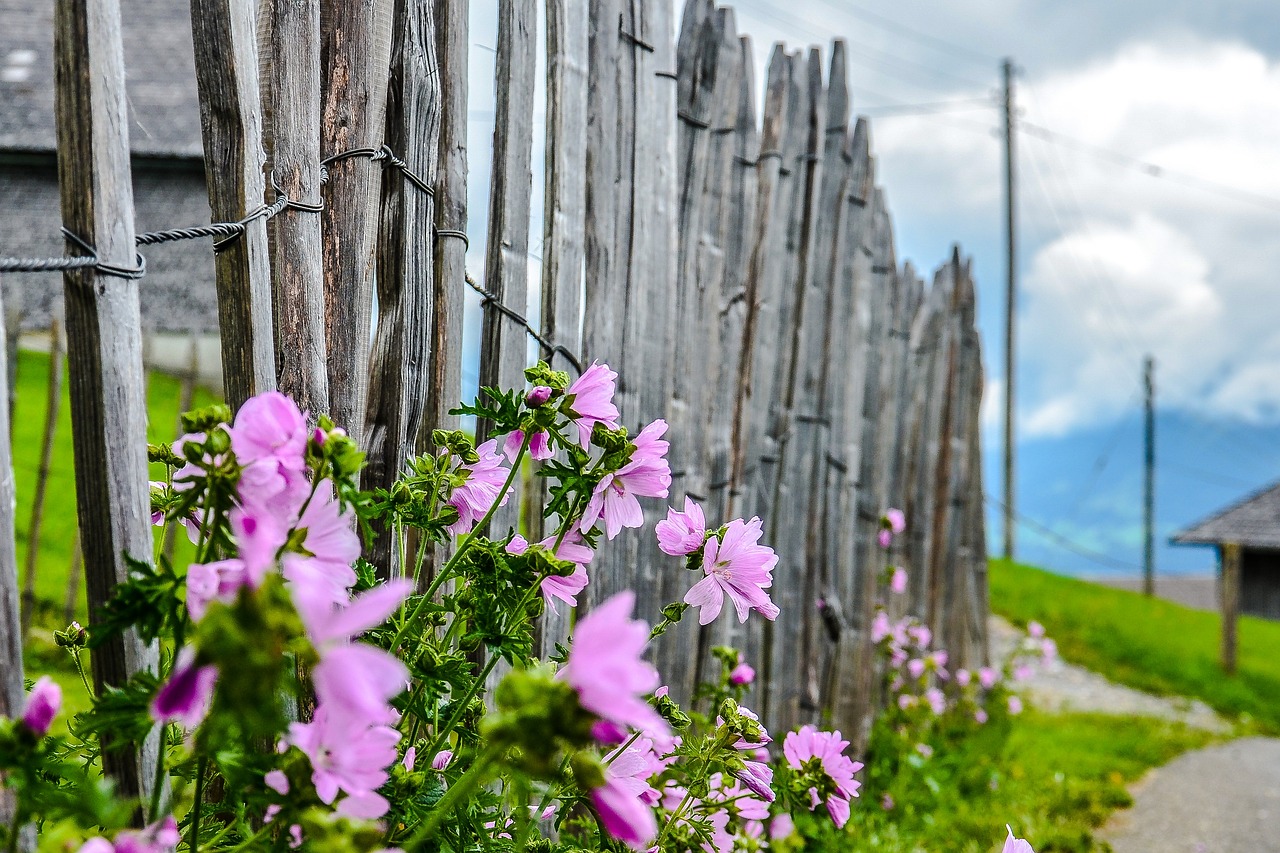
[1247, 537]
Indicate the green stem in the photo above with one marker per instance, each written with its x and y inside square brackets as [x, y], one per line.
[459, 790]
[464, 545]
[157, 784]
[193, 831]
[443, 734]
[14, 827]
[716, 746]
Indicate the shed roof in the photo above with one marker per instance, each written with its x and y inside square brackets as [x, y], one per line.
[160, 75]
[1253, 521]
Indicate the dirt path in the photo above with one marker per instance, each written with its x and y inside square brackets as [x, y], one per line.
[1220, 799]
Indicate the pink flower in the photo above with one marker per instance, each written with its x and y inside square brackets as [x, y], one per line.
[742, 674]
[567, 588]
[270, 427]
[1049, 649]
[1036, 630]
[980, 716]
[185, 698]
[937, 701]
[898, 583]
[539, 448]
[441, 759]
[884, 538]
[906, 701]
[896, 519]
[347, 756]
[781, 826]
[484, 481]
[646, 475]
[801, 747]
[160, 837]
[987, 677]
[277, 781]
[217, 581]
[606, 669]
[411, 758]
[886, 803]
[735, 563]
[591, 401]
[880, 626]
[538, 395]
[625, 801]
[1015, 845]
[355, 681]
[43, 704]
[963, 676]
[333, 544]
[682, 533]
[1015, 705]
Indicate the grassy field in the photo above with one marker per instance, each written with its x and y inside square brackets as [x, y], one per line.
[1054, 780]
[1150, 644]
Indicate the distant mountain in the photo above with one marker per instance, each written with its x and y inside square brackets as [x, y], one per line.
[1080, 496]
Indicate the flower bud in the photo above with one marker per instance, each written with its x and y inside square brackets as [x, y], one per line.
[42, 706]
[537, 396]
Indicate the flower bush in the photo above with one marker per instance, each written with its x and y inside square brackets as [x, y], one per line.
[306, 701]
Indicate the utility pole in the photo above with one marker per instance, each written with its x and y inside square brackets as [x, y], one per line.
[1149, 479]
[1009, 308]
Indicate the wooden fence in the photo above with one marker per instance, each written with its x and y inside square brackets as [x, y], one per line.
[739, 274]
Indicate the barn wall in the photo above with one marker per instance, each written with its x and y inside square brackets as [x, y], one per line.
[1260, 583]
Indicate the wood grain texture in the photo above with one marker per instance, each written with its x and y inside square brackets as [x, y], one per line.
[108, 413]
[355, 57]
[232, 127]
[402, 348]
[12, 691]
[564, 223]
[504, 344]
[297, 263]
[445, 386]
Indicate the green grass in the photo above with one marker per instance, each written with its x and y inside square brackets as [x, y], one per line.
[1055, 779]
[1147, 643]
[58, 525]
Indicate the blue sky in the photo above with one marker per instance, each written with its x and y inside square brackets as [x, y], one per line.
[1149, 201]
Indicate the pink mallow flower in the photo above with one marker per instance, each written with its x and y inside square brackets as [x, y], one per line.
[898, 582]
[737, 564]
[1015, 845]
[896, 519]
[987, 677]
[682, 533]
[884, 537]
[484, 481]
[646, 475]
[1015, 705]
[354, 680]
[1036, 630]
[625, 801]
[742, 674]
[571, 549]
[269, 438]
[539, 446]
[591, 401]
[347, 756]
[159, 837]
[185, 698]
[43, 704]
[607, 670]
[802, 747]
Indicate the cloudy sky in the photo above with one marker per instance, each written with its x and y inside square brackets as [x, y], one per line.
[1149, 169]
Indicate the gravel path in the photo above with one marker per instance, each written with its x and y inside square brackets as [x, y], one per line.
[1062, 686]
[1220, 799]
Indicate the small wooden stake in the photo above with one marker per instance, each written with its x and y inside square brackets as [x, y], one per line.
[1230, 604]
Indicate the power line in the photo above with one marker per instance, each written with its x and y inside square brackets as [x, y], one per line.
[1062, 541]
[890, 25]
[1150, 169]
[903, 109]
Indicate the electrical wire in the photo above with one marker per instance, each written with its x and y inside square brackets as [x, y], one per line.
[1061, 541]
[890, 25]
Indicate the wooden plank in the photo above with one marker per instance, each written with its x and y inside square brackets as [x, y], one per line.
[232, 126]
[12, 692]
[1231, 558]
[564, 223]
[504, 345]
[356, 54]
[445, 385]
[108, 413]
[402, 351]
[297, 266]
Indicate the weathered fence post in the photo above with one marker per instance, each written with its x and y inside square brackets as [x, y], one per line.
[402, 350]
[232, 124]
[1230, 605]
[564, 220]
[356, 56]
[11, 687]
[108, 413]
[445, 385]
[297, 265]
[504, 343]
